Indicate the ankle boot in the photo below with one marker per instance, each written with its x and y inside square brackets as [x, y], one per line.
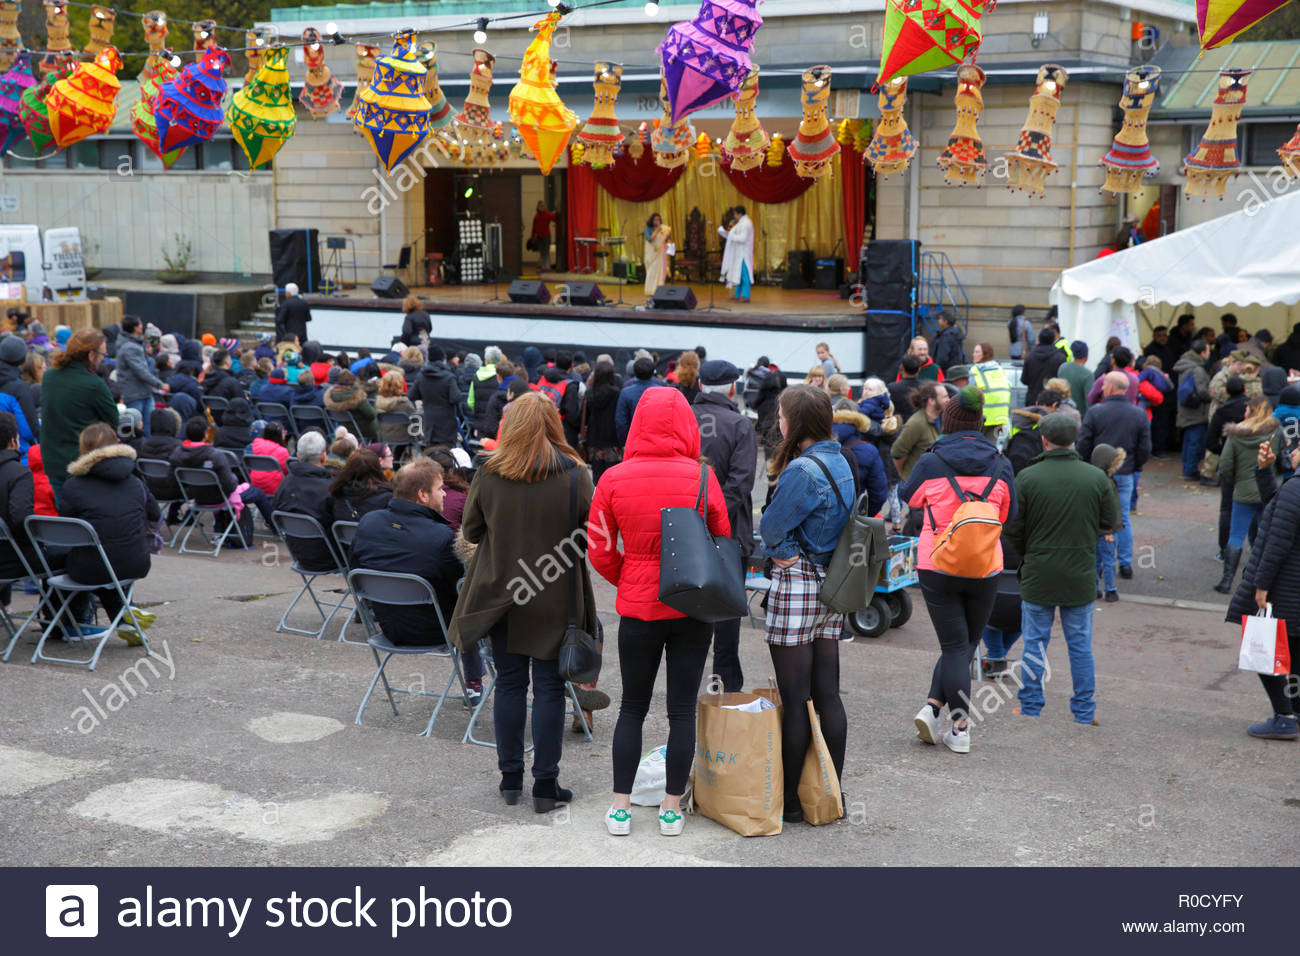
[512, 785]
[547, 794]
[1231, 558]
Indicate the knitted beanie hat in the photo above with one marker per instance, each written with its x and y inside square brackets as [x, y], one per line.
[964, 412]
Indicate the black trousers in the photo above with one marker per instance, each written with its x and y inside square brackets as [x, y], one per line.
[726, 656]
[1284, 689]
[959, 610]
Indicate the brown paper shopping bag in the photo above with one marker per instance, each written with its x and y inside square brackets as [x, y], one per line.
[738, 780]
[819, 785]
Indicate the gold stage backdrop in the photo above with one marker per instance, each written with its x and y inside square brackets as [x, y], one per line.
[817, 215]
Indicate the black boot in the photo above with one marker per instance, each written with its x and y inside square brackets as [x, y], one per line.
[512, 785]
[547, 794]
[1231, 558]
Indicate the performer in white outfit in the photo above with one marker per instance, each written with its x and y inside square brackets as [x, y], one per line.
[738, 260]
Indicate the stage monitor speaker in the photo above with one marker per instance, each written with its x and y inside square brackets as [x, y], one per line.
[529, 291]
[890, 278]
[799, 269]
[674, 297]
[389, 287]
[584, 293]
[295, 257]
[828, 274]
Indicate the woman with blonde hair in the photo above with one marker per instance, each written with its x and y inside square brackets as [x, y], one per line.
[526, 512]
[816, 378]
[392, 399]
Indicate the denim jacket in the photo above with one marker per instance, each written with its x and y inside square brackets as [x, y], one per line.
[806, 513]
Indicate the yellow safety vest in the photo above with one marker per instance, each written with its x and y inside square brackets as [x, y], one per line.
[992, 381]
[1064, 346]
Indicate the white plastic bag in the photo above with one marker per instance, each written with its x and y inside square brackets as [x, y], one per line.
[1264, 647]
[651, 784]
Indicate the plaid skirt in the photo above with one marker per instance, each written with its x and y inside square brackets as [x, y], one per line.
[795, 615]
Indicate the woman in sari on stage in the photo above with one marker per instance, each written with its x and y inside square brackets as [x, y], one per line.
[656, 254]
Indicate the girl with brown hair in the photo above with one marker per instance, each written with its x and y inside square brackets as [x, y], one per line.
[73, 397]
[688, 375]
[416, 325]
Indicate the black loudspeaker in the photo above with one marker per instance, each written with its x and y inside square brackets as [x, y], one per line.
[828, 274]
[295, 257]
[529, 291]
[891, 273]
[674, 297]
[389, 287]
[799, 270]
[584, 293]
[886, 342]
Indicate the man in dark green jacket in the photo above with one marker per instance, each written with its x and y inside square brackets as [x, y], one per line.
[1065, 504]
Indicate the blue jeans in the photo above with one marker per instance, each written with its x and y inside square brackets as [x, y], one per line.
[999, 643]
[1106, 563]
[1133, 503]
[1243, 517]
[1193, 449]
[510, 710]
[1076, 622]
[145, 407]
[1124, 537]
[742, 290]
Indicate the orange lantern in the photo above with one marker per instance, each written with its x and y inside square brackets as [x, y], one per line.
[535, 107]
[83, 104]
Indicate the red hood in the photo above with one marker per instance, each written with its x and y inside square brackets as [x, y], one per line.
[34, 460]
[663, 425]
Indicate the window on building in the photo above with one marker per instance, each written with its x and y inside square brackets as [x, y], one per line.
[1262, 141]
[115, 154]
[217, 154]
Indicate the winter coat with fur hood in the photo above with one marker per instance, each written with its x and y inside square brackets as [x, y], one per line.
[351, 398]
[104, 490]
[397, 434]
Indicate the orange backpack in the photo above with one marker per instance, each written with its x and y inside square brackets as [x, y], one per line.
[968, 547]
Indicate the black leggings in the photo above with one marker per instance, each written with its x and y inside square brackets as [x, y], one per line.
[803, 672]
[641, 645]
[959, 610]
[1284, 689]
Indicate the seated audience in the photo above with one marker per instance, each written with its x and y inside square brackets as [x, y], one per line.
[305, 490]
[358, 489]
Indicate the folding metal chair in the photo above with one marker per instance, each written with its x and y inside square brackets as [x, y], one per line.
[407, 590]
[489, 667]
[414, 431]
[74, 533]
[15, 630]
[216, 405]
[344, 532]
[345, 418]
[296, 527]
[192, 481]
[236, 461]
[278, 413]
[155, 471]
[307, 417]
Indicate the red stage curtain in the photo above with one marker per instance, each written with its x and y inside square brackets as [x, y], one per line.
[770, 184]
[854, 176]
[581, 196]
[636, 180]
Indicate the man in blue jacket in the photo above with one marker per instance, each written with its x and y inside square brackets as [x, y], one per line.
[643, 370]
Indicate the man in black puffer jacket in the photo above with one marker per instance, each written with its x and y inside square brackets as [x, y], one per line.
[220, 382]
[436, 387]
[304, 491]
[1041, 364]
[13, 352]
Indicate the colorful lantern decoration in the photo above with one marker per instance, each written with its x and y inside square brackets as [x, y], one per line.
[601, 134]
[1216, 159]
[536, 109]
[84, 104]
[34, 113]
[892, 146]
[962, 160]
[576, 153]
[1129, 157]
[366, 57]
[322, 93]
[814, 146]
[188, 108]
[1288, 155]
[640, 140]
[1220, 21]
[473, 124]
[439, 108]
[746, 141]
[102, 22]
[705, 60]
[256, 41]
[921, 35]
[862, 136]
[1031, 163]
[11, 40]
[703, 146]
[157, 70]
[16, 81]
[155, 30]
[205, 35]
[671, 143]
[261, 115]
[775, 151]
[58, 42]
[394, 114]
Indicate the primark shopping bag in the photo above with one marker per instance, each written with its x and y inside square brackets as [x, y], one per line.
[1264, 647]
[819, 784]
[738, 776]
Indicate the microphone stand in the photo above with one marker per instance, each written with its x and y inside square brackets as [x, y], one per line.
[712, 282]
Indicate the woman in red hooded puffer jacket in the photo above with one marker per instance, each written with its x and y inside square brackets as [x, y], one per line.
[660, 469]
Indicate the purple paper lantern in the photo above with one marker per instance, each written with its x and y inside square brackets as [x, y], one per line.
[16, 81]
[706, 60]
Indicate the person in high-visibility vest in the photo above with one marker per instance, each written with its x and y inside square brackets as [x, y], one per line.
[987, 375]
[1061, 342]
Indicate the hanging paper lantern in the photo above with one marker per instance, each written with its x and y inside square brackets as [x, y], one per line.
[58, 42]
[155, 30]
[366, 57]
[1221, 21]
[473, 124]
[1288, 155]
[394, 115]
[188, 108]
[261, 115]
[843, 132]
[576, 153]
[255, 39]
[102, 22]
[814, 146]
[1030, 165]
[1129, 157]
[892, 146]
[35, 113]
[703, 146]
[11, 41]
[535, 107]
[746, 141]
[439, 108]
[1217, 159]
[776, 151]
[16, 81]
[157, 70]
[921, 35]
[84, 104]
[962, 160]
[705, 60]
[205, 35]
[862, 137]
[322, 93]
[671, 143]
[601, 134]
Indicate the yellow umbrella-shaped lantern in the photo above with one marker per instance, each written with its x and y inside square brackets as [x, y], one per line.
[102, 22]
[473, 124]
[394, 114]
[261, 114]
[11, 40]
[535, 108]
[84, 103]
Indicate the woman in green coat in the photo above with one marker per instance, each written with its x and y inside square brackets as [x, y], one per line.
[1237, 468]
[73, 397]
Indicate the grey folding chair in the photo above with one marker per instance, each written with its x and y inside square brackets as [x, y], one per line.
[489, 667]
[307, 417]
[414, 431]
[192, 481]
[156, 473]
[74, 533]
[236, 460]
[408, 590]
[344, 532]
[216, 405]
[301, 528]
[278, 413]
[8, 540]
[344, 417]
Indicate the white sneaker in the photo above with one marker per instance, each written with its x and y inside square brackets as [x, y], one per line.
[958, 741]
[671, 822]
[927, 725]
[618, 822]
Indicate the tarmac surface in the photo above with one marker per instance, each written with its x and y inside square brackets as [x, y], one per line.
[238, 746]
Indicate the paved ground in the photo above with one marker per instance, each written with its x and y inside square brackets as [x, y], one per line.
[247, 754]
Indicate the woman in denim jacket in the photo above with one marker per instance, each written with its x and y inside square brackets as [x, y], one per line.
[800, 529]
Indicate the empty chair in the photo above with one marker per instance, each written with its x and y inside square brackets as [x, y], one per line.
[215, 404]
[310, 416]
[297, 529]
[202, 492]
[8, 540]
[278, 413]
[412, 430]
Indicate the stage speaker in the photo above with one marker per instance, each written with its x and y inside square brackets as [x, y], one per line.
[886, 342]
[584, 293]
[529, 291]
[389, 287]
[828, 274]
[798, 270]
[674, 297]
[890, 278]
[295, 257]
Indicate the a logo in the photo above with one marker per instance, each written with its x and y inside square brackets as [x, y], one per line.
[71, 910]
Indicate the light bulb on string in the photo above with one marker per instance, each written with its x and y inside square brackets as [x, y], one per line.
[331, 28]
[175, 60]
[652, 9]
[480, 35]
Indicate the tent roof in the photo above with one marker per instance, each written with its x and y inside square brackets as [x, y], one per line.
[1248, 257]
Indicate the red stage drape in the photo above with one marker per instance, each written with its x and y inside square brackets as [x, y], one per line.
[637, 180]
[581, 196]
[770, 184]
[854, 176]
